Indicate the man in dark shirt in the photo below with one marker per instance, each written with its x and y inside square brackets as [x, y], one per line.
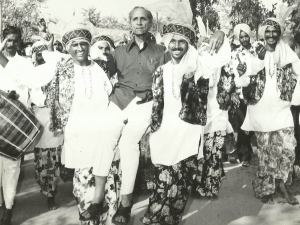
[134, 63]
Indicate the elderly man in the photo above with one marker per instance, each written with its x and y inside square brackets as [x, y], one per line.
[77, 97]
[180, 91]
[130, 102]
[9, 169]
[269, 95]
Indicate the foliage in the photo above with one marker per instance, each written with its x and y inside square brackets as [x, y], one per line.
[212, 17]
[24, 15]
[111, 22]
[251, 12]
[295, 16]
[204, 8]
[93, 16]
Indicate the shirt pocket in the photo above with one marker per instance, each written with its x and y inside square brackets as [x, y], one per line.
[152, 64]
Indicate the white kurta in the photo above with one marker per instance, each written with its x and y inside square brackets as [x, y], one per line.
[175, 140]
[83, 130]
[9, 83]
[217, 119]
[270, 113]
[48, 139]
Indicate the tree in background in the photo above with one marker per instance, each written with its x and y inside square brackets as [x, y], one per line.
[93, 16]
[204, 8]
[251, 12]
[295, 15]
[111, 22]
[23, 14]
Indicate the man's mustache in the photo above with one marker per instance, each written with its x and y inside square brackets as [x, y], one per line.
[176, 49]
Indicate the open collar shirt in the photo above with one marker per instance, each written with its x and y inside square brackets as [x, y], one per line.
[135, 67]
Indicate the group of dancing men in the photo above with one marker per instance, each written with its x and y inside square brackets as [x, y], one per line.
[96, 106]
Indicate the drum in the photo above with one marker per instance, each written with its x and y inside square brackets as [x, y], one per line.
[19, 128]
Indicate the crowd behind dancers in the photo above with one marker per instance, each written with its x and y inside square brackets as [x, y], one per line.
[97, 95]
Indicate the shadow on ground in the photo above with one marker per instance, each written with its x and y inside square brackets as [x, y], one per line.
[236, 204]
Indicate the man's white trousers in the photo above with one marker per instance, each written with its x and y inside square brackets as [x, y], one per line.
[138, 117]
[9, 176]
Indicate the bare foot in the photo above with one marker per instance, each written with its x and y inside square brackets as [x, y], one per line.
[287, 195]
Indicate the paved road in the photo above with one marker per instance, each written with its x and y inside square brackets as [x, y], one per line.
[236, 204]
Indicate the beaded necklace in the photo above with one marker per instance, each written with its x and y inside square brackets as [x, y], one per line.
[176, 95]
[274, 65]
[89, 76]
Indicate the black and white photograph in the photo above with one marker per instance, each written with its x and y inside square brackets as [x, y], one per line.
[149, 112]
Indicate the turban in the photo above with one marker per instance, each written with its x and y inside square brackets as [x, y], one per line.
[183, 29]
[270, 22]
[241, 27]
[76, 35]
[39, 46]
[76, 30]
[190, 61]
[95, 53]
[106, 39]
[283, 54]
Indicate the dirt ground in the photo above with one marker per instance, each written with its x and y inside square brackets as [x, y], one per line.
[236, 204]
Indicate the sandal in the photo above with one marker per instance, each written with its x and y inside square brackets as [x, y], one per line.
[93, 211]
[122, 212]
[246, 164]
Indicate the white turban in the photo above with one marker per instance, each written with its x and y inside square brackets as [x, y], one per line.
[241, 27]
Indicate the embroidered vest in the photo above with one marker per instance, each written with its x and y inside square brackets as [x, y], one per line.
[286, 83]
[193, 98]
[60, 94]
[226, 96]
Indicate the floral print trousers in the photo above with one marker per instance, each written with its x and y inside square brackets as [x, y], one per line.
[210, 168]
[84, 189]
[276, 156]
[47, 163]
[170, 192]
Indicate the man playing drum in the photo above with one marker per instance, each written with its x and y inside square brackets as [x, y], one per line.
[10, 169]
